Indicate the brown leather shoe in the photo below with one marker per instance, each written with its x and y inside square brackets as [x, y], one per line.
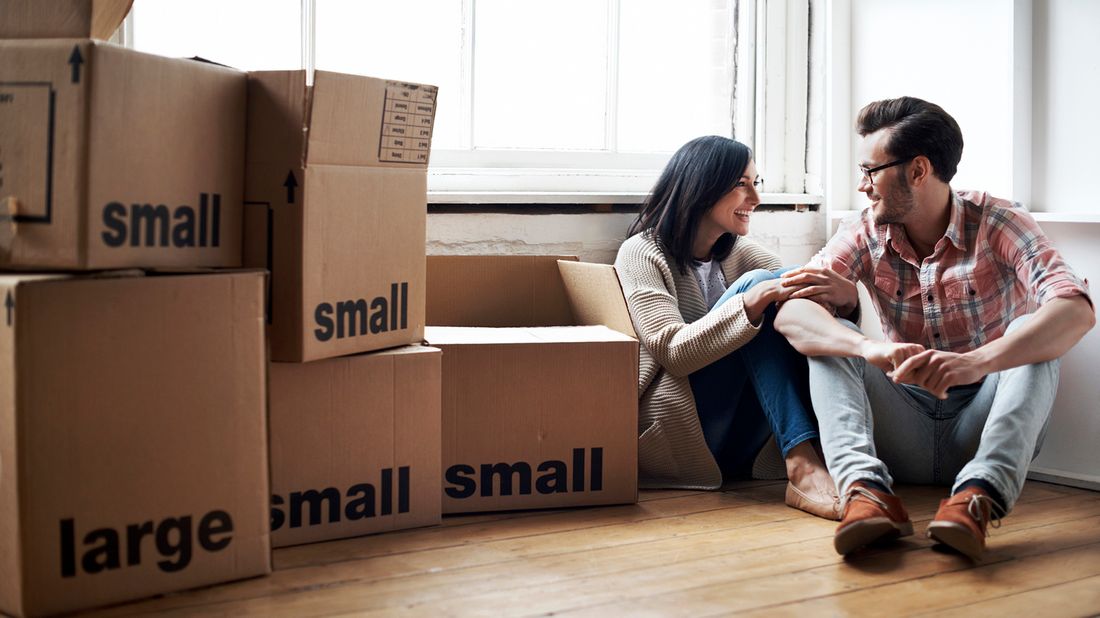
[823, 504]
[962, 521]
[870, 515]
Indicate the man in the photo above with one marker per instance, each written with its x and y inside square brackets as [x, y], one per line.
[977, 307]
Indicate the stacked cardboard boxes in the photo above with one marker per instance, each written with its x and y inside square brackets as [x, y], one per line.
[133, 439]
[147, 442]
[335, 209]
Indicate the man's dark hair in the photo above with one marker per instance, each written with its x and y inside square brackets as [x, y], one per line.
[916, 127]
[696, 177]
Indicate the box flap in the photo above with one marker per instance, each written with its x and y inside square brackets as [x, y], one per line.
[278, 104]
[13, 279]
[61, 19]
[480, 335]
[595, 295]
[472, 335]
[11, 558]
[497, 290]
[357, 120]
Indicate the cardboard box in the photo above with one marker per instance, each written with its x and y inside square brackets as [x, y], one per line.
[112, 158]
[354, 445]
[132, 437]
[61, 19]
[336, 209]
[536, 413]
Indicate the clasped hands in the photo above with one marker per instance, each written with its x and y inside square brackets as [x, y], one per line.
[932, 370]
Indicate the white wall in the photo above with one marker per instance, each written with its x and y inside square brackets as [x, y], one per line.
[1065, 132]
[595, 237]
[955, 53]
[1071, 447]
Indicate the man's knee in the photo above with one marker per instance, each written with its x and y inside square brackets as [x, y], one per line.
[1017, 323]
[850, 324]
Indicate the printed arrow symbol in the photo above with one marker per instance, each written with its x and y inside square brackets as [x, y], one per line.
[76, 59]
[290, 183]
[9, 303]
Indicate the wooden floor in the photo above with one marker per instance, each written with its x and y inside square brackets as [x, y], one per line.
[679, 553]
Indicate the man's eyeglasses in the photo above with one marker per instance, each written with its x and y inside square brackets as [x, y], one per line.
[868, 171]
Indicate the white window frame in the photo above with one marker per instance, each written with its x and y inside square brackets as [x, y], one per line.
[769, 110]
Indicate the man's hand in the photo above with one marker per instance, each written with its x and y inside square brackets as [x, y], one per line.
[887, 355]
[935, 371]
[823, 286]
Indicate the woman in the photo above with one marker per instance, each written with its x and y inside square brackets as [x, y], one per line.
[716, 379]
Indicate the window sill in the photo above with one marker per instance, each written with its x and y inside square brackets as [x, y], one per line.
[587, 197]
[835, 216]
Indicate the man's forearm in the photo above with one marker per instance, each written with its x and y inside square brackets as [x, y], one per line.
[813, 332]
[1050, 332]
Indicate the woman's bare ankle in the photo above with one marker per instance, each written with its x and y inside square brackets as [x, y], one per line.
[804, 467]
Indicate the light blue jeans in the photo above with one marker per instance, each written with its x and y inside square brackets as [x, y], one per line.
[873, 429]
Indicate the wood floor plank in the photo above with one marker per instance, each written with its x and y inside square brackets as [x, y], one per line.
[488, 531]
[857, 586]
[1080, 597]
[660, 554]
[963, 585]
[539, 572]
[494, 544]
[709, 561]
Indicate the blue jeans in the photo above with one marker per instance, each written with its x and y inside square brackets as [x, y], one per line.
[762, 388]
[876, 430]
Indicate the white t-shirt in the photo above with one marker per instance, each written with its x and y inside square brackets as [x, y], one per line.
[711, 280]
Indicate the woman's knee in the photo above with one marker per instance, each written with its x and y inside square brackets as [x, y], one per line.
[753, 277]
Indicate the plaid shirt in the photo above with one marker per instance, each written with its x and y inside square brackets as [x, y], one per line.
[992, 265]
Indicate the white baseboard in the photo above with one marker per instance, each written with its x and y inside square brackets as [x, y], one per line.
[1062, 477]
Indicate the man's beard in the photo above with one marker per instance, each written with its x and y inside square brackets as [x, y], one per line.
[896, 205]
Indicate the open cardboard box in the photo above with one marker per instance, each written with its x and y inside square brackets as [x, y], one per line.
[61, 19]
[539, 411]
[336, 209]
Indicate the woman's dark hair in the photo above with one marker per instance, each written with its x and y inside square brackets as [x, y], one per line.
[917, 127]
[696, 177]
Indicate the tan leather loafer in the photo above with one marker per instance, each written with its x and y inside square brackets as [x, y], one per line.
[826, 505]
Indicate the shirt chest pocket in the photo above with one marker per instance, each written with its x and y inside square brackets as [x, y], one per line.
[894, 289]
[973, 292]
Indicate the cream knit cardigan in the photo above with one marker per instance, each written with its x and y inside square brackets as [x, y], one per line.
[679, 336]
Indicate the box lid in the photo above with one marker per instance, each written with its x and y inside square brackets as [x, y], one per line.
[477, 335]
[341, 119]
[595, 295]
[497, 290]
[61, 19]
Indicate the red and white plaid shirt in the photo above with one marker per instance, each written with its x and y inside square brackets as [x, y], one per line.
[992, 265]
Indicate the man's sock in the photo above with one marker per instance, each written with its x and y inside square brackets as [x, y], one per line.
[988, 488]
[877, 486]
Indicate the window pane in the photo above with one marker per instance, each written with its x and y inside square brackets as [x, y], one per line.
[675, 73]
[413, 40]
[540, 74]
[247, 34]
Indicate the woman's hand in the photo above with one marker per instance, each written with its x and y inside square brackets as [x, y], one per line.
[759, 296]
[823, 286]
